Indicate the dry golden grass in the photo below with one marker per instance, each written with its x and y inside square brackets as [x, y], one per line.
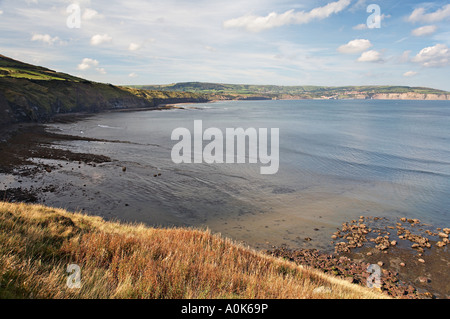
[134, 261]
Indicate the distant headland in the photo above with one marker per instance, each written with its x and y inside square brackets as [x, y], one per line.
[30, 93]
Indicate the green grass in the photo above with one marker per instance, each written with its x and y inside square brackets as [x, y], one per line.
[32, 75]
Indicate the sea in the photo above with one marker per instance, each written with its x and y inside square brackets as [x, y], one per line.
[338, 160]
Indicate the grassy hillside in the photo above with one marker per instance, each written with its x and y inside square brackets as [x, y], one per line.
[133, 261]
[16, 69]
[273, 91]
[33, 93]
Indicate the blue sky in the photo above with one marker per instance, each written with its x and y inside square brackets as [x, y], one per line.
[229, 41]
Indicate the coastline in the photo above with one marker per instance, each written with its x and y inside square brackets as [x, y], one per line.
[412, 281]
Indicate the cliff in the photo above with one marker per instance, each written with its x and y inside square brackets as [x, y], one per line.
[35, 94]
[410, 96]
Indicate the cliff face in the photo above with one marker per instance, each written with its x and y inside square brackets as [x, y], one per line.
[411, 96]
[30, 100]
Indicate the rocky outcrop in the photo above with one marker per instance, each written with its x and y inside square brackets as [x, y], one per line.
[410, 96]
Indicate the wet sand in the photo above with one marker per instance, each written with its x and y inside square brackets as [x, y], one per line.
[30, 152]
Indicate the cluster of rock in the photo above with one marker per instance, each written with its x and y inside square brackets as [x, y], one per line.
[371, 240]
[354, 232]
[444, 237]
[419, 242]
[357, 232]
[345, 268]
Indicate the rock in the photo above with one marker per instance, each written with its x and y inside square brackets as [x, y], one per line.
[415, 246]
[440, 244]
[402, 264]
[421, 260]
[403, 219]
[393, 243]
[423, 279]
[443, 235]
[369, 254]
[446, 230]
[124, 169]
[49, 171]
[308, 239]
[333, 237]
[380, 263]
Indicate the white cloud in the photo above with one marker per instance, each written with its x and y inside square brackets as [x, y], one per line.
[90, 14]
[362, 26]
[101, 70]
[1, 12]
[132, 75]
[355, 46]
[359, 5]
[134, 47]
[435, 56]
[370, 56]
[409, 74]
[257, 23]
[87, 63]
[404, 57]
[419, 15]
[44, 38]
[385, 16]
[425, 30]
[210, 49]
[99, 39]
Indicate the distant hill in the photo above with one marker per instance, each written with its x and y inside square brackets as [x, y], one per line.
[34, 93]
[243, 91]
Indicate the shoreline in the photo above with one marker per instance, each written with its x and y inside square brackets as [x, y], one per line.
[417, 281]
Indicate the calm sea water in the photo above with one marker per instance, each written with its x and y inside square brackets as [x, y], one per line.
[339, 159]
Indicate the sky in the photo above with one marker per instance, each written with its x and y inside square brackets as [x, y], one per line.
[279, 42]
